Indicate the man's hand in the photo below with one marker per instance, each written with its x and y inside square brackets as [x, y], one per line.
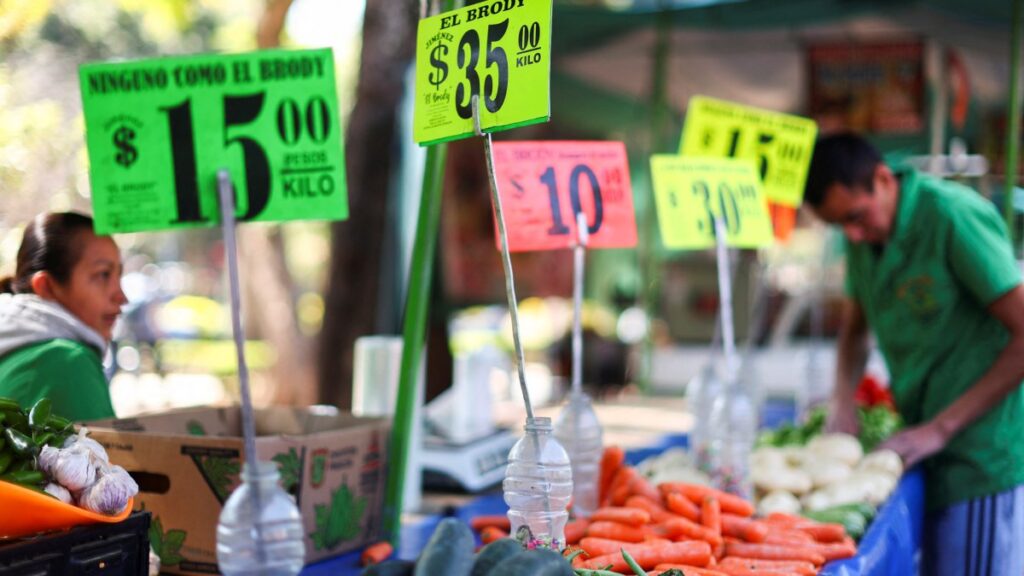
[842, 417]
[917, 443]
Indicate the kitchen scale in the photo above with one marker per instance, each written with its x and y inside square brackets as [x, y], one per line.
[473, 466]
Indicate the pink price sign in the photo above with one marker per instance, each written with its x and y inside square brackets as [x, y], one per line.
[543, 185]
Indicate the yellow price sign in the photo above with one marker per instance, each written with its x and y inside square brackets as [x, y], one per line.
[780, 145]
[691, 192]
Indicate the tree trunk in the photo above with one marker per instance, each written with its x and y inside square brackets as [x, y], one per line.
[354, 290]
[269, 287]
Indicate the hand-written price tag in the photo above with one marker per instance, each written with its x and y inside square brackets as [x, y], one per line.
[690, 192]
[499, 50]
[159, 130]
[779, 144]
[543, 185]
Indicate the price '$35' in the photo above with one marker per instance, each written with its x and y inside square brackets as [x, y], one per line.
[497, 50]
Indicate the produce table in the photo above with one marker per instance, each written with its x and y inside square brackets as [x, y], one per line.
[890, 545]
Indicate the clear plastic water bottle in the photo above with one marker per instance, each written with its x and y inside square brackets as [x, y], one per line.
[701, 393]
[278, 523]
[538, 486]
[731, 435]
[579, 432]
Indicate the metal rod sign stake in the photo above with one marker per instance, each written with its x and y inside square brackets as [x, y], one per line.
[506, 260]
[226, 194]
[725, 297]
[579, 259]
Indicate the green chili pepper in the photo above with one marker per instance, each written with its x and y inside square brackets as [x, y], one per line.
[57, 423]
[632, 563]
[3, 442]
[42, 439]
[20, 443]
[39, 413]
[5, 461]
[16, 419]
[9, 404]
[24, 477]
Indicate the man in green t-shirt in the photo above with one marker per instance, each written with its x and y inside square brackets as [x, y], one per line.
[931, 273]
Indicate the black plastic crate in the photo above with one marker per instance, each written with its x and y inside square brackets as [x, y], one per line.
[106, 549]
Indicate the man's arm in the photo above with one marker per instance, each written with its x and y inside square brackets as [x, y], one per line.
[851, 357]
[1002, 378]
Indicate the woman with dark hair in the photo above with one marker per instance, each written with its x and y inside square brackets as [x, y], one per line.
[57, 315]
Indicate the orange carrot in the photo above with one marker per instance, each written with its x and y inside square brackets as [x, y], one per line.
[575, 530]
[836, 551]
[615, 531]
[641, 487]
[376, 553]
[655, 531]
[750, 530]
[620, 489]
[631, 516]
[683, 529]
[802, 568]
[602, 546]
[787, 537]
[649, 556]
[823, 532]
[741, 571]
[611, 461]
[711, 514]
[501, 521]
[784, 519]
[696, 493]
[492, 533]
[652, 507]
[683, 506]
[775, 552]
[686, 570]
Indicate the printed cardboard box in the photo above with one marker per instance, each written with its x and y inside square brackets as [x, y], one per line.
[187, 462]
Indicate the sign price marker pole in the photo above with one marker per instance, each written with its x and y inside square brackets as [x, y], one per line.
[510, 284]
[226, 197]
[579, 260]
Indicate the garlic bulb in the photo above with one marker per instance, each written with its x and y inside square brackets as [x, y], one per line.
[74, 469]
[48, 459]
[81, 439]
[59, 492]
[110, 494]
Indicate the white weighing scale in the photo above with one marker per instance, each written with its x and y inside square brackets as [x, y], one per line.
[462, 448]
[473, 467]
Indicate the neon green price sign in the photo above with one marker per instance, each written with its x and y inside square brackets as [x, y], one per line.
[780, 145]
[690, 193]
[159, 130]
[497, 50]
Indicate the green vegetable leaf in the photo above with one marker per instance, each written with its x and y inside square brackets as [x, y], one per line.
[338, 522]
[290, 467]
[220, 472]
[166, 545]
[156, 536]
[174, 539]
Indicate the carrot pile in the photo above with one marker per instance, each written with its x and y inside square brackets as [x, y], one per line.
[695, 529]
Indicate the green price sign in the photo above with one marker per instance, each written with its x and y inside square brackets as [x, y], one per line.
[158, 131]
[497, 50]
[780, 145]
[691, 192]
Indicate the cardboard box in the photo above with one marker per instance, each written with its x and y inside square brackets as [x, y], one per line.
[187, 462]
